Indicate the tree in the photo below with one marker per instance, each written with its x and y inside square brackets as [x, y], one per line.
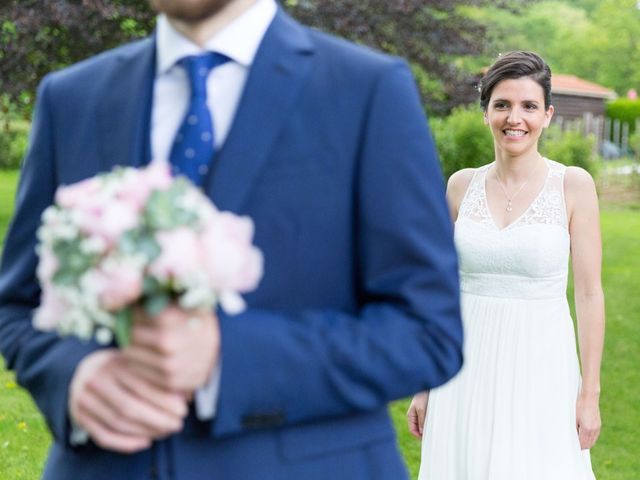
[618, 48]
[432, 34]
[38, 36]
[595, 40]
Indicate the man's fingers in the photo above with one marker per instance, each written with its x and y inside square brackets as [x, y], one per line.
[171, 402]
[118, 409]
[92, 410]
[160, 370]
[115, 441]
[136, 413]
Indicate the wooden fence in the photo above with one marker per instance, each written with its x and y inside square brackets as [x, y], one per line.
[602, 128]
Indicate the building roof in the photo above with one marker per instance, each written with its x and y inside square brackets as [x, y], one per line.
[572, 85]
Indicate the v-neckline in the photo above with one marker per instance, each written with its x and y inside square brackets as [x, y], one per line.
[525, 211]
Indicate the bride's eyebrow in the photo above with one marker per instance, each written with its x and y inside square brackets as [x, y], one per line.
[504, 100]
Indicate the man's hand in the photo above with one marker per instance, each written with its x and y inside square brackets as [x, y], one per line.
[417, 413]
[175, 350]
[120, 410]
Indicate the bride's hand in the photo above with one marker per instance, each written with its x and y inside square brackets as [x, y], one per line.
[416, 413]
[587, 420]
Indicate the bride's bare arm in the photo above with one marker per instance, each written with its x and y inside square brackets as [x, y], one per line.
[586, 254]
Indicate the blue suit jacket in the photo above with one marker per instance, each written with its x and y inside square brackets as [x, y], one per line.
[330, 155]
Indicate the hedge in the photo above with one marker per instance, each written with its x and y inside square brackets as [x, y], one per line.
[13, 143]
[626, 110]
[463, 140]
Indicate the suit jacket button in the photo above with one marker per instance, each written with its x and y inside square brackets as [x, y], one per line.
[267, 420]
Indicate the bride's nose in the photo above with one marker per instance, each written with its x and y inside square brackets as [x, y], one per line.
[514, 116]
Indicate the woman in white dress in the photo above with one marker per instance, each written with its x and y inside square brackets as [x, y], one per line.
[519, 408]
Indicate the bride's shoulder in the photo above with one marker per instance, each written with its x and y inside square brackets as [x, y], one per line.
[579, 186]
[577, 176]
[456, 188]
[460, 180]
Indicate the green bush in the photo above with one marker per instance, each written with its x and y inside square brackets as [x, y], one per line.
[13, 143]
[462, 139]
[569, 147]
[626, 110]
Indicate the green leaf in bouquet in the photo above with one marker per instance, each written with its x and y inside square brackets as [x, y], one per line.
[73, 263]
[139, 240]
[128, 241]
[64, 276]
[164, 210]
[156, 303]
[123, 327]
[150, 286]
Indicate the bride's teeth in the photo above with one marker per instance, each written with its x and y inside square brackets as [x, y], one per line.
[514, 133]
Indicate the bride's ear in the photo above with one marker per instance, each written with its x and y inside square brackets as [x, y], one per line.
[548, 116]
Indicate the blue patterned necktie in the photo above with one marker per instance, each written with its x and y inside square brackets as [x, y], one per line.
[194, 146]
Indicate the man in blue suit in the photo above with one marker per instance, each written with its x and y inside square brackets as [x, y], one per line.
[325, 146]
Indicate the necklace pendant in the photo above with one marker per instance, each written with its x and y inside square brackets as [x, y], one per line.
[509, 206]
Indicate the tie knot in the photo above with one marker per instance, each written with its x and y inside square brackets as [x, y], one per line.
[198, 68]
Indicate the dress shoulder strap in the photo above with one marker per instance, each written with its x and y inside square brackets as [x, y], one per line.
[474, 204]
[549, 208]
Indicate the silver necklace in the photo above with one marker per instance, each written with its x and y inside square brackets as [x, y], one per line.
[509, 206]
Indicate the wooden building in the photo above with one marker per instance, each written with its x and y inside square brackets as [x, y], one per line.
[573, 97]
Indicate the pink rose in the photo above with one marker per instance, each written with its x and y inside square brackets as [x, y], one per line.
[108, 220]
[232, 262]
[157, 176]
[180, 254]
[141, 183]
[119, 286]
[77, 194]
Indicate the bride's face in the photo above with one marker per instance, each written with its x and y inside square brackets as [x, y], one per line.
[516, 115]
[190, 10]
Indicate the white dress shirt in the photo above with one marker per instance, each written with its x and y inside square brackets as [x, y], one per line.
[239, 41]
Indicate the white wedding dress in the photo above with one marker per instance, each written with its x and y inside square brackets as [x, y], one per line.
[510, 414]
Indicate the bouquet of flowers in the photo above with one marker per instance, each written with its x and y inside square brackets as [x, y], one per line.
[138, 237]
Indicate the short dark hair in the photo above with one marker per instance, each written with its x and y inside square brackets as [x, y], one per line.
[514, 65]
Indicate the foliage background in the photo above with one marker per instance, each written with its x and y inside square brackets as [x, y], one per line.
[448, 43]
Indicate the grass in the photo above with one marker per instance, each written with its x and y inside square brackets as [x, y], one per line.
[8, 180]
[24, 438]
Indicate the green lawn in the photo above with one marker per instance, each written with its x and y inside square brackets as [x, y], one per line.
[23, 434]
[24, 438]
[7, 192]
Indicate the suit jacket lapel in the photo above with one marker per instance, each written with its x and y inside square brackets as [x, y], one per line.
[276, 77]
[123, 118]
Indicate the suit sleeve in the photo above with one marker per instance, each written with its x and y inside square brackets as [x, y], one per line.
[44, 363]
[280, 369]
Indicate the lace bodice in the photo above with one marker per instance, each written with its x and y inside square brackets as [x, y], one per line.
[526, 259]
